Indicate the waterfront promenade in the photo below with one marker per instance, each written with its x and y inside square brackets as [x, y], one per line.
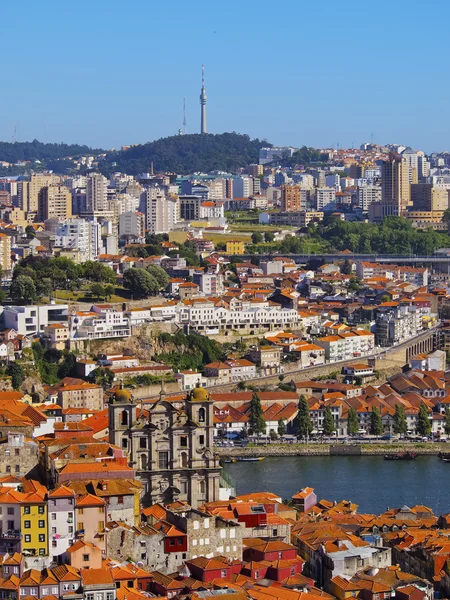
[316, 449]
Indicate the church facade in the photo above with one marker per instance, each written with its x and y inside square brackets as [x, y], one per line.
[170, 445]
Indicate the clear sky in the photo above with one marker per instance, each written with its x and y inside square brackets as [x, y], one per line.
[114, 72]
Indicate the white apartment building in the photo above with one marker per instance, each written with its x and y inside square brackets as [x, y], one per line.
[161, 212]
[132, 224]
[241, 315]
[32, 320]
[81, 236]
[242, 187]
[212, 210]
[217, 188]
[325, 198]
[348, 345]
[61, 521]
[415, 275]
[210, 284]
[368, 194]
[101, 322]
[96, 192]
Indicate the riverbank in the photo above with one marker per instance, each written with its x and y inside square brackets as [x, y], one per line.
[431, 449]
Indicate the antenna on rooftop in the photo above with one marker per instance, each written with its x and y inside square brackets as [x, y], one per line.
[184, 116]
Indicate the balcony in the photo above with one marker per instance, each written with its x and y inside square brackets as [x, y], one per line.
[11, 534]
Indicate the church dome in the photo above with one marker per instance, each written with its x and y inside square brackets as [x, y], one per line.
[199, 394]
[122, 395]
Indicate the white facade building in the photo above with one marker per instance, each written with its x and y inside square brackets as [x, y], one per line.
[80, 235]
[32, 320]
[96, 192]
[325, 198]
[368, 194]
[161, 212]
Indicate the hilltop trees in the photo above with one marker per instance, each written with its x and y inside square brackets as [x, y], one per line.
[140, 283]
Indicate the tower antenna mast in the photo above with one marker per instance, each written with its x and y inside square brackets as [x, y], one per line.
[184, 116]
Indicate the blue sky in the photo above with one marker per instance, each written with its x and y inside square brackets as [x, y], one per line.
[114, 72]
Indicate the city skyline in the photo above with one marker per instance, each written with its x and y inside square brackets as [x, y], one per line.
[284, 79]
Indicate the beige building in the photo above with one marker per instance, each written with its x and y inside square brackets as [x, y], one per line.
[425, 197]
[5, 252]
[55, 201]
[37, 182]
[76, 393]
[395, 186]
[55, 336]
[170, 445]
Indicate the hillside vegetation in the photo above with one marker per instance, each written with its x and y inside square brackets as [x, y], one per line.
[17, 151]
[186, 154]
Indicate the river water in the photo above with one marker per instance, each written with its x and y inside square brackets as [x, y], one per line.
[370, 481]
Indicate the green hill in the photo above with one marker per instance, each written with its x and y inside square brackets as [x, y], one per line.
[186, 154]
[17, 151]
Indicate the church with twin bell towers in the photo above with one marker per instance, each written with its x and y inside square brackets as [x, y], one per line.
[169, 444]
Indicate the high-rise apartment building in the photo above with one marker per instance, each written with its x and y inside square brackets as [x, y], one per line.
[413, 162]
[425, 196]
[161, 211]
[325, 198]
[242, 187]
[80, 236]
[37, 181]
[290, 198]
[367, 194]
[5, 253]
[55, 201]
[96, 193]
[395, 186]
[190, 207]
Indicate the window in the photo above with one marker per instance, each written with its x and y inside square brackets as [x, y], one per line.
[41, 524]
[80, 511]
[184, 460]
[202, 487]
[101, 525]
[163, 460]
[27, 538]
[27, 524]
[124, 417]
[17, 468]
[143, 443]
[85, 557]
[10, 511]
[17, 452]
[201, 440]
[89, 596]
[202, 415]
[183, 441]
[5, 569]
[223, 573]
[41, 510]
[171, 542]
[274, 532]
[53, 530]
[53, 516]
[119, 499]
[8, 468]
[42, 537]
[143, 462]
[80, 526]
[130, 583]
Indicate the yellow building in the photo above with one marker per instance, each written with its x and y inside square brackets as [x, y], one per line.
[37, 182]
[5, 252]
[235, 247]
[34, 520]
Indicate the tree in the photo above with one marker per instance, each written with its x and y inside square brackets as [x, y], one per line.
[110, 290]
[384, 298]
[257, 422]
[23, 288]
[160, 275]
[352, 422]
[44, 287]
[346, 267]
[269, 236]
[257, 238]
[423, 422]
[304, 420]
[400, 422]
[17, 374]
[30, 232]
[376, 424]
[281, 427]
[97, 290]
[328, 422]
[140, 283]
[447, 420]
